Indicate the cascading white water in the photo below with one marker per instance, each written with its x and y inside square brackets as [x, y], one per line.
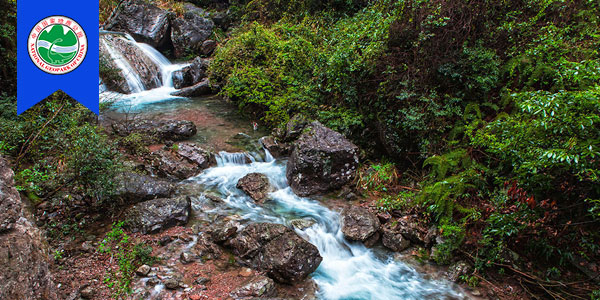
[348, 270]
[131, 77]
[140, 95]
[166, 68]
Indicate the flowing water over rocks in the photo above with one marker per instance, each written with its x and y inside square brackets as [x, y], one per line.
[348, 270]
[223, 213]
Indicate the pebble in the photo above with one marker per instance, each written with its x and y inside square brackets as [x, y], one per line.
[202, 280]
[143, 270]
[246, 272]
[171, 284]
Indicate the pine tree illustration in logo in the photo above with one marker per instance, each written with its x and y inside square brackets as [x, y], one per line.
[57, 45]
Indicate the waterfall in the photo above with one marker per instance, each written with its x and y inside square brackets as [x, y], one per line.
[349, 270]
[139, 95]
[166, 68]
[133, 79]
[225, 158]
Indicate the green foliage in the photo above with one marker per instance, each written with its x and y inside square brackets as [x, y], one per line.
[129, 256]
[377, 177]
[32, 180]
[310, 65]
[552, 135]
[272, 10]
[454, 176]
[452, 236]
[595, 295]
[57, 146]
[399, 201]
[135, 144]
[8, 42]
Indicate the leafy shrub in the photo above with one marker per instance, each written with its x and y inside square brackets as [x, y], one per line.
[454, 177]
[551, 136]
[129, 256]
[452, 236]
[56, 147]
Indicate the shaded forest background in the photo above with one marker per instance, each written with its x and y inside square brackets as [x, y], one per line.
[482, 117]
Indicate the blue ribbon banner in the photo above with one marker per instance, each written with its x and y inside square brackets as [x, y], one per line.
[58, 49]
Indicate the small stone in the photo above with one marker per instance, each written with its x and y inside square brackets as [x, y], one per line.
[476, 293]
[172, 283]
[87, 247]
[87, 292]
[246, 272]
[152, 281]
[165, 240]
[202, 280]
[143, 270]
[186, 257]
[458, 269]
[302, 224]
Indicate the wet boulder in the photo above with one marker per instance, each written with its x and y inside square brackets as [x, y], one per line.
[181, 161]
[394, 240]
[160, 130]
[302, 224]
[224, 230]
[259, 286]
[189, 33]
[277, 250]
[134, 187]
[359, 224]
[158, 214]
[141, 64]
[199, 89]
[24, 256]
[190, 75]
[276, 147]
[144, 21]
[109, 73]
[322, 160]
[206, 249]
[256, 186]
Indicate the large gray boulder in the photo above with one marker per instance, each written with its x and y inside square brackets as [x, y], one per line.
[183, 161]
[322, 160]
[158, 214]
[256, 186]
[190, 75]
[199, 89]
[277, 250]
[134, 188]
[189, 33]
[161, 130]
[359, 224]
[144, 21]
[24, 257]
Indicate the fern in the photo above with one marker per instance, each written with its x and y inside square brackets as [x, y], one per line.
[452, 176]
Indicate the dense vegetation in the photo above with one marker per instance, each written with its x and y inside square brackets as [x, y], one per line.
[58, 150]
[482, 117]
[487, 113]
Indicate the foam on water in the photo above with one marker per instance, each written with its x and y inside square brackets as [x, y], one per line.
[348, 270]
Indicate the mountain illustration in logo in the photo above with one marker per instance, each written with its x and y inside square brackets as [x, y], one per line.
[57, 46]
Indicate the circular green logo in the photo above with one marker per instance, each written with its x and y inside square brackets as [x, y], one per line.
[57, 45]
